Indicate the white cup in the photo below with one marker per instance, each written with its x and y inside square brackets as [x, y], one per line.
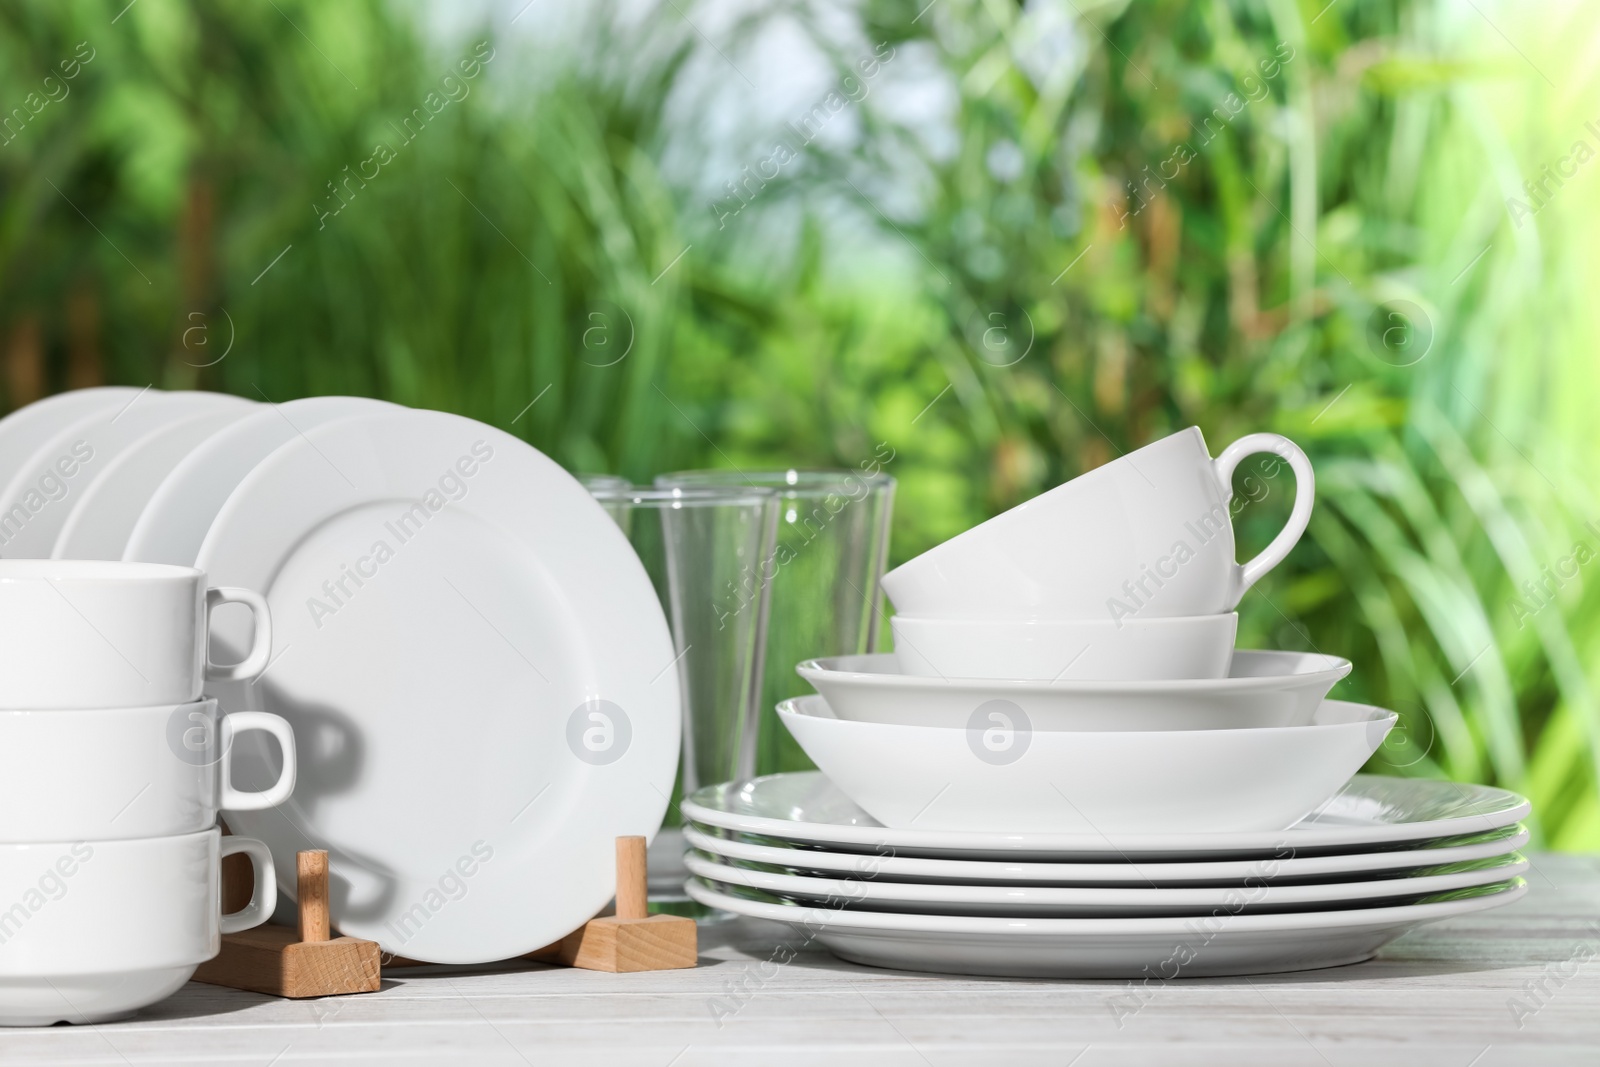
[1147, 535]
[1199, 646]
[103, 634]
[94, 930]
[120, 773]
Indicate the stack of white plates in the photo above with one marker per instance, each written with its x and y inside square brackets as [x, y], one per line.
[1065, 768]
[1382, 856]
[477, 669]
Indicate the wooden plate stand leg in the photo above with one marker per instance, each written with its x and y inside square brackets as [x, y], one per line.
[294, 963]
[632, 939]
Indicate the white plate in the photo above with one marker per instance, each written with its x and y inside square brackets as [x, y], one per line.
[478, 672]
[1158, 948]
[876, 894]
[1273, 870]
[26, 428]
[997, 774]
[98, 526]
[1262, 689]
[180, 511]
[73, 457]
[1370, 812]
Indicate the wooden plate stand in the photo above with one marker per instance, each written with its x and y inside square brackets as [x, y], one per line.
[632, 939]
[286, 962]
[308, 962]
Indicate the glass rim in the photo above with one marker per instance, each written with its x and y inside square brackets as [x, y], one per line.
[685, 496]
[792, 480]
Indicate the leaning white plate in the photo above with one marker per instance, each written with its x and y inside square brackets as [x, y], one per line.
[877, 894]
[112, 502]
[51, 482]
[1263, 688]
[996, 773]
[1167, 947]
[25, 429]
[1372, 811]
[478, 672]
[1271, 870]
[174, 522]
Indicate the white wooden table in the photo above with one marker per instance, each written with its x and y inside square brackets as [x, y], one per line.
[1517, 986]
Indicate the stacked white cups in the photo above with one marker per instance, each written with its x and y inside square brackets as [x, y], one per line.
[113, 768]
[1124, 573]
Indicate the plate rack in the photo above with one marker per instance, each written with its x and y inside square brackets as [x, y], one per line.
[309, 961]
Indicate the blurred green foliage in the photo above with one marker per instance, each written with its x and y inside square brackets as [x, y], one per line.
[1119, 220]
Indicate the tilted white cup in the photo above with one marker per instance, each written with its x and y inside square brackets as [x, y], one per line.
[94, 930]
[119, 773]
[1147, 535]
[1199, 646]
[103, 634]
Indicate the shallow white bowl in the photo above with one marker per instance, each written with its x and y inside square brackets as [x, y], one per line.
[1199, 646]
[1262, 689]
[1001, 778]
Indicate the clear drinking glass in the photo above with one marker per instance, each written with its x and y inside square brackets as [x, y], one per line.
[831, 549]
[695, 543]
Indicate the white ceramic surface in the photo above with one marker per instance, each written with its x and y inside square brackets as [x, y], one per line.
[180, 511]
[478, 672]
[1272, 870]
[1052, 650]
[995, 775]
[41, 495]
[879, 894]
[1136, 948]
[104, 634]
[1262, 689]
[1370, 813]
[127, 772]
[98, 527]
[25, 429]
[1148, 534]
[94, 930]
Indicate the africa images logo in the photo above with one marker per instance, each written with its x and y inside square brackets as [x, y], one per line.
[999, 732]
[599, 732]
[451, 487]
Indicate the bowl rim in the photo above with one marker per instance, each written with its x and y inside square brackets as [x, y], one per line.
[1330, 670]
[1360, 715]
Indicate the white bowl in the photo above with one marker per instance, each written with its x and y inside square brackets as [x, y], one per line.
[1199, 646]
[1262, 689]
[94, 930]
[107, 774]
[1149, 533]
[78, 633]
[1002, 779]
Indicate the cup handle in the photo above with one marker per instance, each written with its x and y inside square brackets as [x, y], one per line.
[233, 725]
[1305, 488]
[256, 661]
[264, 896]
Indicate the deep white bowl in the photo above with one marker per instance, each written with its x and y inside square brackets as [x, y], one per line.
[96, 930]
[1000, 777]
[1262, 689]
[1199, 646]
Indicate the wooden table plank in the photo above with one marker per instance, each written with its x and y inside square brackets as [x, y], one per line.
[1447, 994]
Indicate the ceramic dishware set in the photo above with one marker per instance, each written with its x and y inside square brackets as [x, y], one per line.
[476, 671]
[1064, 768]
[438, 658]
[113, 768]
